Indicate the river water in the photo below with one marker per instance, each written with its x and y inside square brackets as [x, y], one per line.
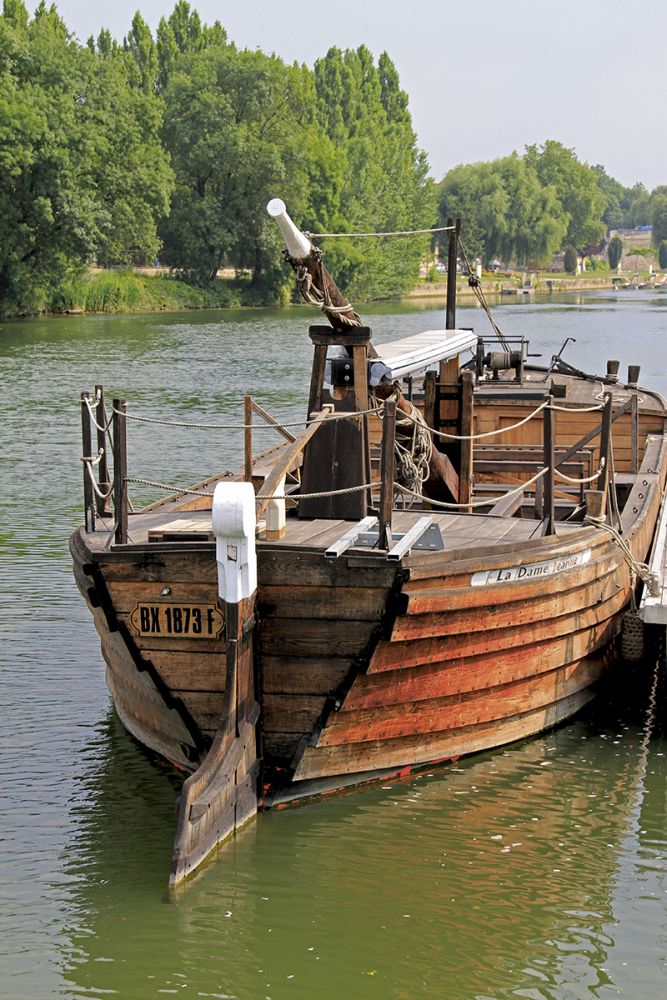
[538, 871]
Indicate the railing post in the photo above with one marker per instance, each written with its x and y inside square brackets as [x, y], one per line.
[634, 433]
[467, 430]
[120, 470]
[103, 469]
[247, 438]
[605, 442]
[87, 444]
[452, 256]
[387, 474]
[430, 399]
[549, 463]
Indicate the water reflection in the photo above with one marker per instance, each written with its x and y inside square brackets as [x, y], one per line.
[499, 877]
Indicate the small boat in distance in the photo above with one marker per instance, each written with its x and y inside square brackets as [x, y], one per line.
[439, 563]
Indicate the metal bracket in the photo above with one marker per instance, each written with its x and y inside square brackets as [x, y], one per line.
[423, 536]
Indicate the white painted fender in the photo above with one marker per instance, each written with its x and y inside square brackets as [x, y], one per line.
[234, 530]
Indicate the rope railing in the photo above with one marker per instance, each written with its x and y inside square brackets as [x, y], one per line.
[348, 416]
[104, 429]
[400, 232]
[581, 482]
[409, 491]
[475, 503]
[171, 488]
[242, 427]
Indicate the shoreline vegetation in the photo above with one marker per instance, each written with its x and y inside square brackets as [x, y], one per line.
[167, 146]
[145, 290]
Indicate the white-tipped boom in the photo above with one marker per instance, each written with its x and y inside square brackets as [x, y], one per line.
[298, 245]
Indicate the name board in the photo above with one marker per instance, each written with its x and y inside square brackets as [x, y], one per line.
[530, 571]
[189, 621]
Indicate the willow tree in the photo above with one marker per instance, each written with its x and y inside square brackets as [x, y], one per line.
[506, 212]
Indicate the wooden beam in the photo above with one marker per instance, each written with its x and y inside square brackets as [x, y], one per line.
[429, 398]
[281, 468]
[452, 254]
[605, 442]
[260, 411]
[634, 434]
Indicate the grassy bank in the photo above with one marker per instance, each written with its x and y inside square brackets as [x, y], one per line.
[125, 291]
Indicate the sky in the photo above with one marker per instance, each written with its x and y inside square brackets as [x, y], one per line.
[484, 78]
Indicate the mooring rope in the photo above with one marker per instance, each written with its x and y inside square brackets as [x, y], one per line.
[637, 567]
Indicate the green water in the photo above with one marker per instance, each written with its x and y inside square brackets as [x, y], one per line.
[538, 871]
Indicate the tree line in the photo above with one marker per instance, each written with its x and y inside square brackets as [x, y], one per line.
[170, 145]
[526, 208]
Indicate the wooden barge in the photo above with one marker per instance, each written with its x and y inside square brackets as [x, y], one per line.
[311, 621]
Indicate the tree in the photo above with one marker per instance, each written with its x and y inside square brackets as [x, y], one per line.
[577, 189]
[386, 187]
[233, 121]
[142, 53]
[571, 259]
[662, 254]
[81, 169]
[659, 215]
[614, 251]
[505, 210]
[183, 32]
[618, 198]
[637, 252]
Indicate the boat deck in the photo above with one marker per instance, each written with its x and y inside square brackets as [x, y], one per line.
[459, 531]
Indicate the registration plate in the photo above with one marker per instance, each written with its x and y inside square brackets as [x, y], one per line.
[188, 621]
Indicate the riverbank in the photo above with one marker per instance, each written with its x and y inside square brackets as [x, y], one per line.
[505, 286]
[146, 290]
